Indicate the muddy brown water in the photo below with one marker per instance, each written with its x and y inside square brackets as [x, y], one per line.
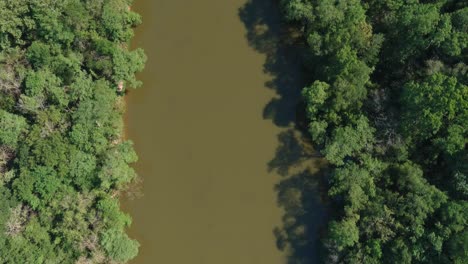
[204, 141]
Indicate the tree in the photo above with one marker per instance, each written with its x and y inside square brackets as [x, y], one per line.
[12, 126]
[115, 171]
[344, 233]
[349, 141]
[118, 246]
[39, 54]
[434, 107]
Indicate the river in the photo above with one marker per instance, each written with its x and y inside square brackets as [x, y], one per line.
[211, 125]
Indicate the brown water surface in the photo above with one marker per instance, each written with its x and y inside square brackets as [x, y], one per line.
[206, 140]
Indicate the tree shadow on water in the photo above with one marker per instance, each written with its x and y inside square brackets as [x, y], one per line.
[269, 35]
[302, 196]
[304, 217]
[294, 149]
[302, 188]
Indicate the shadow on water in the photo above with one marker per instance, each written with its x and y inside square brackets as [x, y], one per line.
[267, 35]
[301, 189]
[302, 195]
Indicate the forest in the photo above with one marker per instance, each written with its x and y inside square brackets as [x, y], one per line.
[64, 68]
[388, 109]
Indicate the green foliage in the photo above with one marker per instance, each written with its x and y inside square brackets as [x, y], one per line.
[355, 185]
[38, 54]
[62, 159]
[12, 126]
[433, 104]
[118, 246]
[388, 110]
[457, 247]
[82, 168]
[117, 21]
[14, 23]
[349, 141]
[344, 233]
[111, 213]
[115, 171]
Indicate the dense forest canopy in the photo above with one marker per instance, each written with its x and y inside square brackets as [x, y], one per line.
[389, 111]
[64, 66]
